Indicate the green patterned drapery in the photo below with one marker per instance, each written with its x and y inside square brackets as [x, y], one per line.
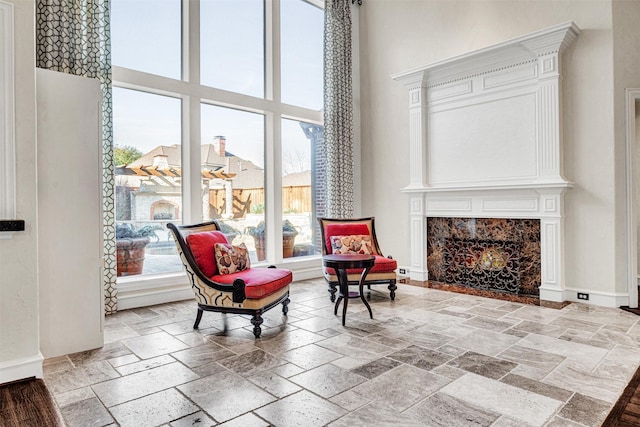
[73, 36]
[338, 109]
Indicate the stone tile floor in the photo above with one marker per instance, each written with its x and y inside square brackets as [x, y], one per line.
[430, 358]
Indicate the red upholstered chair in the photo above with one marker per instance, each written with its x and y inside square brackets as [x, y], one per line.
[337, 234]
[252, 291]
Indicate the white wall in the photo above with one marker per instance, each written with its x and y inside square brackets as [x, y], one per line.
[626, 59]
[403, 34]
[19, 347]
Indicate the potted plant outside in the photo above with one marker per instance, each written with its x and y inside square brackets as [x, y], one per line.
[229, 232]
[289, 234]
[130, 247]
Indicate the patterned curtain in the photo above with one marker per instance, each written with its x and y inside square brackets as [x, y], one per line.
[338, 109]
[73, 36]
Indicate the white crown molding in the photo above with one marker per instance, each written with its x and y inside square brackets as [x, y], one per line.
[7, 132]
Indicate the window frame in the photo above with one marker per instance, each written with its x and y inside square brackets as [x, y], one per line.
[192, 94]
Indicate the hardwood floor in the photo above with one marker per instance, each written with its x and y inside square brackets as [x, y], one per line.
[626, 412]
[28, 403]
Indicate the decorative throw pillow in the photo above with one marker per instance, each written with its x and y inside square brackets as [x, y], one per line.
[202, 247]
[231, 259]
[354, 244]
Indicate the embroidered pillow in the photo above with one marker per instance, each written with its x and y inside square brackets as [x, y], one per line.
[354, 244]
[231, 259]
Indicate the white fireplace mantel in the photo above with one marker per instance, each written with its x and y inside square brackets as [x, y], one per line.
[485, 141]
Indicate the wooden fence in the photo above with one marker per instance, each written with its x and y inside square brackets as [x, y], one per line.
[251, 200]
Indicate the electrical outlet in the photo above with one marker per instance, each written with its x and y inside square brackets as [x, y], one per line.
[583, 296]
[402, 271]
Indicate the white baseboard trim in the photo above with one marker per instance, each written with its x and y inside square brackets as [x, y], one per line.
[157, 295]
[551, 294]
[420, 276]
[19, 369]
[604, 299]
[403, 271]
[307, 273]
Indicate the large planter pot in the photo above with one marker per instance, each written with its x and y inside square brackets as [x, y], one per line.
[288, 241]
[130, 255]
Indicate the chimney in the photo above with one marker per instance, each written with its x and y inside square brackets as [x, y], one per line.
[161, 161]
[220, 145]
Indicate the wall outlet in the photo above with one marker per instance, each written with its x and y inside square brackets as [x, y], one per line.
[402, 271]
[583, 296]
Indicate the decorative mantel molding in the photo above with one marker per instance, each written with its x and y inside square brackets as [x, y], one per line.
[485, 140]
[7, 136]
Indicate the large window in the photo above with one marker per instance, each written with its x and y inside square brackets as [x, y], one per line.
[218, 122]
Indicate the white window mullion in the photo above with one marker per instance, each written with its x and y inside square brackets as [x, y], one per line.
[191, 152]
[273, 155]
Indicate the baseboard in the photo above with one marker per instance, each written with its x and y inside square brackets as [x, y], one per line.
[604, 299]
[144, 296]
[19, 369]
[403, 271]
[420, 276]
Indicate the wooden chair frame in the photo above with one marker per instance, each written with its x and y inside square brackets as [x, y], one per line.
[231, 298]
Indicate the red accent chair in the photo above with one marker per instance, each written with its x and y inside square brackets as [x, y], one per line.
[252, 291]
[336, 232]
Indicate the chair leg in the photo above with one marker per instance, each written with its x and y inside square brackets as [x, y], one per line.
[285, 308]
[256, 321]
[392, 289]
[332, 290]
[198, 318]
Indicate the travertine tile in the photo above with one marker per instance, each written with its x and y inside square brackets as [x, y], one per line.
[246, 420]
[142, 383]
[152, 345]
[327, 380]
[88, 412]
[420, 357]
[274, 384]
[539, 387]
[533, 357]
[198, 419]
[486, 342]
[144, 365]
[585, 410]
[579, 378]
[503, 399]
[379, 416]
[251, 363]
[442, 410]
[405, 366]
[375, 368]
[155, 409]
[226, 395]
[202, 354]
[310, 356]
[82, 376]
[401, 387]
[482, 364]
[301, 409]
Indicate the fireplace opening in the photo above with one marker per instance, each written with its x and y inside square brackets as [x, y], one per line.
[489, 254]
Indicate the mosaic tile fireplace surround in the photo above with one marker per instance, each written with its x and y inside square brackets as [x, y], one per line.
[493, 254]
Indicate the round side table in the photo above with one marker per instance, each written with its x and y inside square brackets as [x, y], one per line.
[341, 263]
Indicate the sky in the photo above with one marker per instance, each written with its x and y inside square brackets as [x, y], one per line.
[146, 37]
